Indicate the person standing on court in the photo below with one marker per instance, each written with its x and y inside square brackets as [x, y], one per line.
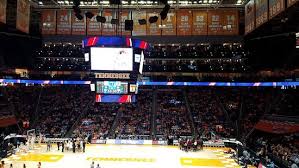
[92, 165]
[39, 165]
[2, 164]
[74, 146]
[48, 145]
[62, 146]
[84, 144]
[58, 145]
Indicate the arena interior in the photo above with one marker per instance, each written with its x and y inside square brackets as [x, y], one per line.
[149, 83]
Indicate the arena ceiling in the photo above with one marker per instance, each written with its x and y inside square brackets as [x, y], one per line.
[141, 3]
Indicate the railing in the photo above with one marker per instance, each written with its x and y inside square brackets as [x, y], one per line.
[282, 118]
[70, 132]
[115, 122]
[154, 108]
[223, 109]
[241, 112]
[191, 119]
[36, 114]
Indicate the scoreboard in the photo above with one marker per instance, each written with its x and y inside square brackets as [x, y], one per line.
[112, 87]
[116, 63]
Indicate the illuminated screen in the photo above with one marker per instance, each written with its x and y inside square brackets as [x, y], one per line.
[115, 98]
[137, 58]
[112, 87]
[86, 57]
[111, 59]
[92, 87]
[141, 62]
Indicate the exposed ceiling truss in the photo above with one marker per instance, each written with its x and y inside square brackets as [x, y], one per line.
[44, 4]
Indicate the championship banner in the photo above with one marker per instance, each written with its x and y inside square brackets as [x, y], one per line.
[170, 24]
[153, 29]
[215, 22]
[139, 30]
[291, 2]
[275, 7]
[108, 29]
[200, 26]
[230, 22]
[64, 22]
[184, 22]
[3, 4]
[23, 15]
[249, 17]
[93, 27]
[261, 12]
[78, 26]
[48, 22]
[124, 15]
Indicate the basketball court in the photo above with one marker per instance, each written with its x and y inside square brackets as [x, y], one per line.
[124, 156]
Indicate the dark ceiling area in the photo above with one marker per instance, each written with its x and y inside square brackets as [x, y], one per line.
[140, 3]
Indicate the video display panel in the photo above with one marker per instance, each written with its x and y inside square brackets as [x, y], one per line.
[111, 59]
[141, 63]
[115, 98]
[111, 87]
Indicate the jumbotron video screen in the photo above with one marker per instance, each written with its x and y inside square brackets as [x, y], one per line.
[111, 59]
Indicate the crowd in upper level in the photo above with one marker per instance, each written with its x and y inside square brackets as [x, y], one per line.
[197, 51]
[69, 50]
[188, 58]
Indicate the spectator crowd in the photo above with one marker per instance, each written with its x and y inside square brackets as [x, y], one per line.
[61, 110]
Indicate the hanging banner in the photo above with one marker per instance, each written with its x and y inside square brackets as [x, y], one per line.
[170, 24]
[78, 26]
[93, 27]
[124, 15]
[291, 2]
[3, 11]
[23, 15]
[184, 22]
[200, 26]
[109, 29]
[64, 22]
[261, 12]
[249, 16]
[153, 29]
[139, 30]
[230, 22]
[48, 22]
[275, 7]
[215, 22]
